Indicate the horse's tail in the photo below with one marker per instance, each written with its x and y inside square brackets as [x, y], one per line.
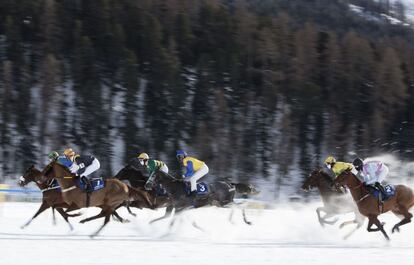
[141, 196]
[245, 189]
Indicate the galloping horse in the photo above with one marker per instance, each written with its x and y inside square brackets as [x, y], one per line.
[134, 174]
[52, 197]
[137, 180]
[220, 193]
[109, 198]
[369, 206]
[334, 201]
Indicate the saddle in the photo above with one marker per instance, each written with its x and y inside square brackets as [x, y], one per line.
[95, 184]
[383, 194]
[202, 189]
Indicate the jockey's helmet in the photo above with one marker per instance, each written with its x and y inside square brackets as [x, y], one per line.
[53, 155]
[69, 153]
[358, 163]
[143, 158]
[181, 155]
[329, 161]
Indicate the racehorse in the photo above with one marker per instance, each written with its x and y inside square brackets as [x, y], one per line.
[134, 174]
[220, 193]
[334, 201]
[137, 180]
[109, 198]
[369, 206]
[52, 197]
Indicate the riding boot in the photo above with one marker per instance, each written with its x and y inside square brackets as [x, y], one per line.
[88, 184]
[383, 196]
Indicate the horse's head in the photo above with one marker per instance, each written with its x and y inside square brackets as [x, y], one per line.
[313, 180]
[129, 172]
[31, 174]
[245, 189]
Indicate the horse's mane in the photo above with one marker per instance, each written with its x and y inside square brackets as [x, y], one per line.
[325, 175]
[50, 166]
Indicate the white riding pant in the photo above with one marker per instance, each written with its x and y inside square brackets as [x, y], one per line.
[91, 168]
[164, 168]
[197, 175]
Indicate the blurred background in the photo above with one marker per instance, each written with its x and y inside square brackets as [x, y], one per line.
[261, 90]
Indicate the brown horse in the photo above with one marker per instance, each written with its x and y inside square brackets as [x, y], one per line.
[109, 198]
[369, 206]
[52, 196]
[137, 179]
[334, 201]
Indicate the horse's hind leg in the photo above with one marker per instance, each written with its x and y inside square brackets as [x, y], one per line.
[53, 216]
[167, 214]
[107, 217]
[373, 219]
[100, 215]
[244, 217]
[42, 208]
[129, 211]
[72, 207]
[407, 218]
[122, 220]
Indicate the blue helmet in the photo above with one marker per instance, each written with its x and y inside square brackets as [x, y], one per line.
[181, 154]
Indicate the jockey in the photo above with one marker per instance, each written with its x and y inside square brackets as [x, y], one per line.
[152, 164]
[338, 167]
[83, 166]
[54, 156]
[372, 173]
[194, 169]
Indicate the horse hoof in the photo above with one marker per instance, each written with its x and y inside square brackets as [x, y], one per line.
[395, 229]
[125, 221]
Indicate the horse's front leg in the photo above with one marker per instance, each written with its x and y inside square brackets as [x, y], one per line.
[65, 216]
[322, 220]
[373, 219]
[167, 214]
[42, 208]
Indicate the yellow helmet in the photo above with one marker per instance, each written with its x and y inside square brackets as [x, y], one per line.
[69, 153]
[330, 160]
[143, 156]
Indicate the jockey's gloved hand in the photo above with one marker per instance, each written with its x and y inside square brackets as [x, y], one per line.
[148, 185]
[74, 168]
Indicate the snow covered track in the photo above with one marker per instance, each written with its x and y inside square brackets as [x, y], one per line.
[286, 234]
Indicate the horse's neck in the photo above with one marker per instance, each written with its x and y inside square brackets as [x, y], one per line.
[41, 185]
[136, 178]
[171, 185]
[355, 186]
[65, 179]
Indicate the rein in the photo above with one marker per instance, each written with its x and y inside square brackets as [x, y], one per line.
[69, 189]
[361, 184]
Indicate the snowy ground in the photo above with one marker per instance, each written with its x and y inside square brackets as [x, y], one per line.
[281, 235]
